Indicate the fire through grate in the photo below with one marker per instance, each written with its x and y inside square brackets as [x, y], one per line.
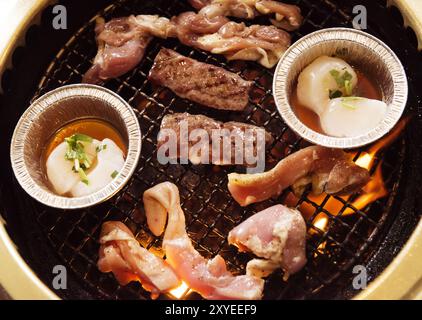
[341, 230]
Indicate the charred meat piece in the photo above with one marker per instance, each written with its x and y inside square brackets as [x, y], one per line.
[240, 139]
[277, 235]
[121, 254]
[286, 16]
[200, 82]
[210, 278]
[328, 170]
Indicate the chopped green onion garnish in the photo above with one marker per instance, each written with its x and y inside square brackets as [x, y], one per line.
[335, 94]
[343, 81]
[99, 148]
[87, 163]
[335, 74]
[76, 165]
[76, 152]
[345, 102]
[114, 174]
[81, 137]
[348, 106]
[348, 87]
[83, 176]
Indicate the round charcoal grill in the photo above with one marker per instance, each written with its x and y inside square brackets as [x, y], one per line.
[46, 237]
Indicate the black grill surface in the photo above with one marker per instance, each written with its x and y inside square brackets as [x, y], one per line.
[46, 237]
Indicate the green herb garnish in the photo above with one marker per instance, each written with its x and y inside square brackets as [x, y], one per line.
[343, 81]
[83, 176]
[114, 174]
[348, 87]
[99, 148]
[346, 102]
[352, 99]
[76, 152]
[335, 94]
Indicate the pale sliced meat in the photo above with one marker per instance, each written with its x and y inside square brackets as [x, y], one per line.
[121, 254]
[122, 43]
[121, 46]
[286, 16]
[277, 235]
[210, 278]
[236, 41]
[328, 170]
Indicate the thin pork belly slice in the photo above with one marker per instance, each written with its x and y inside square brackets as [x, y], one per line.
[240, 139]
[200, 82]
[210, 278]
[277, 235]
[121, 254]
[328, 170]
[286, 16]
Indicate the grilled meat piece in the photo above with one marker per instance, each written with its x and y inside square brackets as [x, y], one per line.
[200, 82]
[286, 16]
[236, 41]
[277, 235]
[121, 254]
[122, 43]
[120, 48]
[188, 26]
[199, 4]
[233, 132]
[210, 278]
[328, 170]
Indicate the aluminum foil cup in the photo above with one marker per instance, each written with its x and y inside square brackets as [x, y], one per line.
[358, 48]
[50, 113]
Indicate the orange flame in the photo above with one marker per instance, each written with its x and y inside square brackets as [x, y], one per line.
[180, 291]
[374, 190]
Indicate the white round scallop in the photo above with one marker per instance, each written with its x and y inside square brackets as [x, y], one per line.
[110, 161]
[60, 171]
[107, 160]
[352, 116]
[324, 75]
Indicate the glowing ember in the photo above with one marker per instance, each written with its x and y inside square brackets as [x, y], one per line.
[321, 221]
[365, 160]
[180, 291]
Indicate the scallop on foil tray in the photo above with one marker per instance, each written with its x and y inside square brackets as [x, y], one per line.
[211, 149]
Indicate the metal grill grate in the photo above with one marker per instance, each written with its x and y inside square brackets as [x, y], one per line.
[210, 210]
